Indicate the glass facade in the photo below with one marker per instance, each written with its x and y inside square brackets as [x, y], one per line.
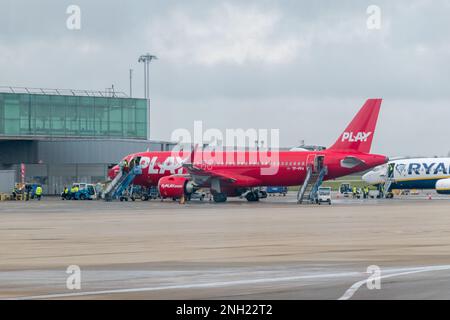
[72, 116]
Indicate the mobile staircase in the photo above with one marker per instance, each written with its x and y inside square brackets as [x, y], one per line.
[120, 183]
[387, 186]
[310, 186]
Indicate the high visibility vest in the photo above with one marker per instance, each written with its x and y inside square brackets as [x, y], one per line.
[38, 191]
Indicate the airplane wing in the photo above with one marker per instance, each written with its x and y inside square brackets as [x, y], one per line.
[196, 171]
[202, 176]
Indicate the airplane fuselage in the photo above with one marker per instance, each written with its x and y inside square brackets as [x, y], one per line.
[232, 173]
[417, 173]
[288, 169]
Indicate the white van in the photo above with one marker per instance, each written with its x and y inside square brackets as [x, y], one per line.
[324, 195]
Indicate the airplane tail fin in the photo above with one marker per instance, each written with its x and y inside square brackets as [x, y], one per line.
[359, 133]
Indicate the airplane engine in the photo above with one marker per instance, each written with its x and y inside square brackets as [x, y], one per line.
[175, 187]
[443, 186]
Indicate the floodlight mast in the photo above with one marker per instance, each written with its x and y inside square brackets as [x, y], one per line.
[146, 59]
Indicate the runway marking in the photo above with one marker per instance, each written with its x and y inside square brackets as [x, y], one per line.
[347, 295]
[352, 290]
[186, 286]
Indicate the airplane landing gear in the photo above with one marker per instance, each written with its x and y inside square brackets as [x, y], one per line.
[252, 196]
[220, 197]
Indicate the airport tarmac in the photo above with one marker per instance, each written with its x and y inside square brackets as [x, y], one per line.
[274, 249]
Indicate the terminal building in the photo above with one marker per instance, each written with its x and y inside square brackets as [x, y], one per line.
[57, 137]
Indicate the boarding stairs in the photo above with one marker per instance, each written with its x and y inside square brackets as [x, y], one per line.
[120, 183]
[387, 186]
[311, 185]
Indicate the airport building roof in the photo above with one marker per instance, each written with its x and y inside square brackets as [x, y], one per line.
[110, 92]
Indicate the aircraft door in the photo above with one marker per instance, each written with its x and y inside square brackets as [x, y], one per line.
[316, 162]
[319, 162]
[136, 161]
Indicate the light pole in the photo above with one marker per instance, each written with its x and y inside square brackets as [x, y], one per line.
[146, 59]
[131, 83]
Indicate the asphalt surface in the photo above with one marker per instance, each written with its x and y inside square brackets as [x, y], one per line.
[273, 249]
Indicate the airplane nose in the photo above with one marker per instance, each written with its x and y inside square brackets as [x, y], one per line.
[372, 177]
[366, 177]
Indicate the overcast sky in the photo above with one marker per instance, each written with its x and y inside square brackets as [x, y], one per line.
[304, 67]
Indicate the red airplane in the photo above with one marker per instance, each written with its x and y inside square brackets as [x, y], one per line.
[242, 173]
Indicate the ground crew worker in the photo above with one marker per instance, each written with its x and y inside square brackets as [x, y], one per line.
[366, 192]
[73, 191]
[28, 191]
[390, 170]
[39, 193]
[354, 192]
[15, 191]
[65, 193]
[76, 191]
